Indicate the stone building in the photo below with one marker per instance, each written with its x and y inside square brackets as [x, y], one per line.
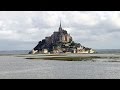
[63, 35]
[59, 36]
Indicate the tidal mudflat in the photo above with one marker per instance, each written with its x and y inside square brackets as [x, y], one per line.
[73, 57]
[18, 67]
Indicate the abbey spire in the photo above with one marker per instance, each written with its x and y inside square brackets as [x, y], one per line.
[60, 23]
[60, 28]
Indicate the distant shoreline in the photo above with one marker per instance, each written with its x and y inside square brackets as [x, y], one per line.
[24, 52]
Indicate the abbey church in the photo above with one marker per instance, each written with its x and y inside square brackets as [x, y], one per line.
[59, 42]
[60, 36]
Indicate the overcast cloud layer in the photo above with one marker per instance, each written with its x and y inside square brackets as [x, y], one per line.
[95, 29]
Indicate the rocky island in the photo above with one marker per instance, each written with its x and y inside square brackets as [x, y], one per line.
[60, 42]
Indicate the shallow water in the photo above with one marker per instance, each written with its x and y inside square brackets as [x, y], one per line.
[12, 67]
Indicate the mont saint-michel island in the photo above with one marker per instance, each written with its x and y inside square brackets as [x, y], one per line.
[60, 42]
[37, 45]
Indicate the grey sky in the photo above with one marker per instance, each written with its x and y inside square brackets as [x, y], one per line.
[22, 30]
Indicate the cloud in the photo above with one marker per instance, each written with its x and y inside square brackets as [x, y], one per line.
[23, 29]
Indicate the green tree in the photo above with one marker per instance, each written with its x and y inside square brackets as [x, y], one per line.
[73, 43]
